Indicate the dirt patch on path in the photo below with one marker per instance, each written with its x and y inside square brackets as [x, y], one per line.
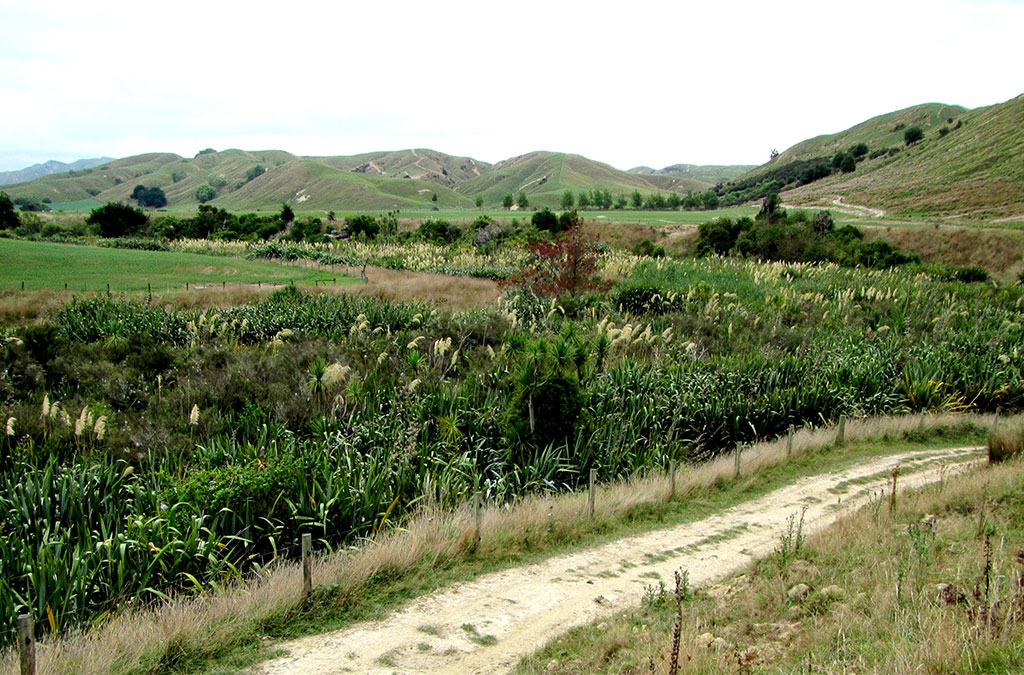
[489, 624]
[837, 204]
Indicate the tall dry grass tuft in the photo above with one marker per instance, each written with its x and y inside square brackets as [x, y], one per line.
[1006, 440]
[455, 292]
[28, 306]
[151, 638]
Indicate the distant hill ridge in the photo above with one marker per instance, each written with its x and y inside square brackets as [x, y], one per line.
[413, 178]
[968, 164]
[47, 168]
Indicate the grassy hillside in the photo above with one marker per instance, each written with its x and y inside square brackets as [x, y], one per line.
[420, 164]
[882, 131]
[544, 176]
[974, 171]
[310, 184]
[307, 182]
[712, 174]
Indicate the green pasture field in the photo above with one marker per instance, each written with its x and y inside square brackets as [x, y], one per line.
[654, 218]
[41, 265]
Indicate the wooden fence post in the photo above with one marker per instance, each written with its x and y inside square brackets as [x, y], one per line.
[738, 457]
[27, 644]
[590, 494]
[841, 434]
[789, 442]
[477, 514]
[672, 478]
[995, 425]
[307, 570]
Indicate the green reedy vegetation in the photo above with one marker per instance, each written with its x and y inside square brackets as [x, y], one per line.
[216, 437]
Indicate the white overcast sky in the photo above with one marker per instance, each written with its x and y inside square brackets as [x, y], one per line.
[627, 83]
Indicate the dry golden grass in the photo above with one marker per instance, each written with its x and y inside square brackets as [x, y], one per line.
[215, 622]
[457, 293]
[1006, 440]
[999, 251]
[19, 307]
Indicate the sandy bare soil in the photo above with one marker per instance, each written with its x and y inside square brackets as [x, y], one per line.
[839, 205]
[488, 625]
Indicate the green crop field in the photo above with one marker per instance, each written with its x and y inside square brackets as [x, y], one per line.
[653, 218]
[42, 265]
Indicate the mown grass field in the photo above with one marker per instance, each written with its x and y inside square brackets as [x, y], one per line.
[42, 265]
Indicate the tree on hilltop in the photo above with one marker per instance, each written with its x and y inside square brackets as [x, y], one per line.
[913, 135]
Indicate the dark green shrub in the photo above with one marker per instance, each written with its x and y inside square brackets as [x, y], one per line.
[362, 226]
[546, 220]
[556, 405]
[881, 254]
[971, 274]
[644, 299]
[117, 220]
[913, 135]
[859, 150]
[205, 193]
[439, 232]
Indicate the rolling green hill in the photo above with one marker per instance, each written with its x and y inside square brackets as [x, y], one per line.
[967, 165]
[419, 164]
[974, 171]
[882, 131]
[312, 183]
[400, 179]
[544, 176]
[712, 174]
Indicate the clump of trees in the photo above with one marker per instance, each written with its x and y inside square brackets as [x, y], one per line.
[438, 232]
[205, 193]
[255, 172]
[117, 220]
[794, 237]
[149, 197]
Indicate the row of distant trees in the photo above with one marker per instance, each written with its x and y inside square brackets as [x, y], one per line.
[602, 200]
